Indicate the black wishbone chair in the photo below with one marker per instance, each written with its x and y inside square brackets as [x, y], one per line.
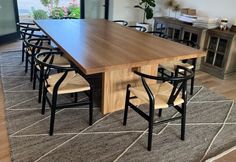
[33, 47]
[38, 45]
[139, 28]
[27, 31]
[159, 96]
[68, 81]
[122, 22]
[189, 63]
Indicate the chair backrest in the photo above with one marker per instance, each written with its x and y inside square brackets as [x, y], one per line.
[36, 45]
[68, 17]
[179, 83]
[189, 43]
[122, 22]
[158, 33]
[28, 30]
[140, 28]
[45, 60]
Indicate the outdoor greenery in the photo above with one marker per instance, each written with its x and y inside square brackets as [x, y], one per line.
[74, 11]
[147, 7]
[39, 14]
[55, 11]
[47, 3]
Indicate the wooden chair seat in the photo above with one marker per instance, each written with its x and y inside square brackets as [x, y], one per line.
[161, 93]
[172, 66]
[71, 84]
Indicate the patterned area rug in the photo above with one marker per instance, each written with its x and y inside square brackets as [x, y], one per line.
[210, 130]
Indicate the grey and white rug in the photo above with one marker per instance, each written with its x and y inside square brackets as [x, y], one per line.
[210, 130]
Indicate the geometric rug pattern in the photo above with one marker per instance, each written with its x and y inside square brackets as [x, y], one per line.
[210, 128]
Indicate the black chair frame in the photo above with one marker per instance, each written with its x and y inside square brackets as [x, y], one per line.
[179, 85]
[123, 22]
[36, 46]
[49, 56]
[139, 28]
[158, 33]
[68, 17]
[27, 31]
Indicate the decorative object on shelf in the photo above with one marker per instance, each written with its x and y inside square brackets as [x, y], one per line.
[176, 8]
[233, 27]
[147, 7]
[223, 24]
[169, 5]
[189, 11]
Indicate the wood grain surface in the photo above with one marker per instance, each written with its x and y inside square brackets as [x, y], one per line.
[100, 45]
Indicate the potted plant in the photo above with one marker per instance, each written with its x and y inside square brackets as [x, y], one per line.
[147, 7]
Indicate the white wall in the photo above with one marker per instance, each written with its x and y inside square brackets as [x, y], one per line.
[123, 9]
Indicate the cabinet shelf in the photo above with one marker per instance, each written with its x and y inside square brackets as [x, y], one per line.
[221, 53]
[178, 30]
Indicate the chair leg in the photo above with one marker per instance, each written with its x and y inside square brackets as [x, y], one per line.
[26, 62]
[150, 127]
[183, 121]
[40, 84]
[53, 112]
[172, 75]
[192, 86]
[34, 76]
[75, 97]
[31, 68]
[23, 52]
[126, 105]
[90, 106]
[44, 100]
[159, 112]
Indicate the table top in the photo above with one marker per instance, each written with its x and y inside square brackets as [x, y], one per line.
[97, 46]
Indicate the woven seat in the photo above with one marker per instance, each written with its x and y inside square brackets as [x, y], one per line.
[161, 94]
[71, 84]
[171, 67]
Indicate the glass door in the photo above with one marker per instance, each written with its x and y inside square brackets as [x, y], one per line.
[8, 19]
[94, 9]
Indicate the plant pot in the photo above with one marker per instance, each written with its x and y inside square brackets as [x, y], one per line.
[145, 25]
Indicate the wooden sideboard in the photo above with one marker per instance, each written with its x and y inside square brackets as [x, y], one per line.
[221, 53]
[178, 30]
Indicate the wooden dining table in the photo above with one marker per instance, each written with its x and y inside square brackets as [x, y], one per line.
[101, 46]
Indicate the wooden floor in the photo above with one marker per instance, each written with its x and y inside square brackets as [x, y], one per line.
[225, 87]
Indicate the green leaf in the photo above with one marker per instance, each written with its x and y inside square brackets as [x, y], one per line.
[149, 12]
